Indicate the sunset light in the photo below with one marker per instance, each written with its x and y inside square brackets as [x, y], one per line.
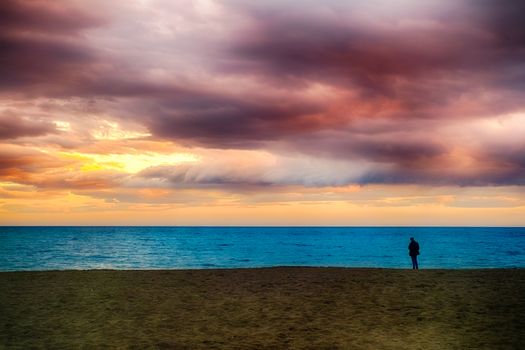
[365, 111]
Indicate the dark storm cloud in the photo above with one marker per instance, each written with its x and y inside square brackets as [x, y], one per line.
[422, 62]
[58, 67]
[507, 162]
[388, 149]
[44, 64]
[463, 59]
[499, 166]
[504, 20]
[396, 147]
[43, 53]
[399, 175]
[12, 127]
[44, 17]
[223, 121]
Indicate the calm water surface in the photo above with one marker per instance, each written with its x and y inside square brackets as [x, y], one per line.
[52, 248]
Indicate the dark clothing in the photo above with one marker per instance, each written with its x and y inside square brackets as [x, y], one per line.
[415, 266]
[413, 248]
[413, 251]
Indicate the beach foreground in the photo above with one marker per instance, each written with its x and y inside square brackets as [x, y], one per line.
[273, 308]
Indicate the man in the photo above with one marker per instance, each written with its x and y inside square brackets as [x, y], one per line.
[413, 251]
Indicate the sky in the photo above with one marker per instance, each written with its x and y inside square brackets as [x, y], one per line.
[160, 112]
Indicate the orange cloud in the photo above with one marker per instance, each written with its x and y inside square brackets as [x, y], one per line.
[251, 107]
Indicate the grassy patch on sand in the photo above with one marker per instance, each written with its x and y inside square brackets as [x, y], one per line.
[296, 308]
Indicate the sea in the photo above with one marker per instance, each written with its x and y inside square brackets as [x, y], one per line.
[96, 247]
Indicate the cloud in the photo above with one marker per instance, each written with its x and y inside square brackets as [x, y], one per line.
[422, 59]
[13, 127]
[25, 166]
[425, 63]
[40, 45]
[45, 16]
[339, 86]
[228, 121]
[505, 22]
[21, 158]
[44, 52]
[242, 170]
[339, 160]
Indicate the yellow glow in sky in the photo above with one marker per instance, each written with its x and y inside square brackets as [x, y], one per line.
[129, 163]
[108, 130]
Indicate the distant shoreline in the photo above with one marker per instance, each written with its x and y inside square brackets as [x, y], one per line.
[211, 269]
[275, 226]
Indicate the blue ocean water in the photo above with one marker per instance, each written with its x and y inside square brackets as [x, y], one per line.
[58, 248]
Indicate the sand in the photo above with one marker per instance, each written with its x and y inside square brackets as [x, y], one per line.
[276, 308]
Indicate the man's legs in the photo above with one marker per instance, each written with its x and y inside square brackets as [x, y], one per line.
[414, 262]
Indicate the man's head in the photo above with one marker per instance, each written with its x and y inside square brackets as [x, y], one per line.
[412, 239]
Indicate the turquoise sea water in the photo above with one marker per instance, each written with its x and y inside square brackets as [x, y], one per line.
[58, 248]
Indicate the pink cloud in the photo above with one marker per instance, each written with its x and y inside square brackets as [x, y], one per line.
[240, 75]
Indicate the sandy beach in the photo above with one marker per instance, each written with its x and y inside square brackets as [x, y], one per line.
[274, 308]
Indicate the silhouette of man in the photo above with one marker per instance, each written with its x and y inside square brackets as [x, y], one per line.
[413, 251]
